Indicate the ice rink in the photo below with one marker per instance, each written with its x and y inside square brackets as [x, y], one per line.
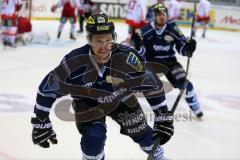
[214, 71]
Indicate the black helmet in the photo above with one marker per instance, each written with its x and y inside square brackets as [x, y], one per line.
[99, 24]
[159, 7]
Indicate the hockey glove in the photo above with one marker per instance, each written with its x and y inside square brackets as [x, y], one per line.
[137, 39]
[190, 47]
[163, 126]
[18, 7]
[42, 132]
[53, 8]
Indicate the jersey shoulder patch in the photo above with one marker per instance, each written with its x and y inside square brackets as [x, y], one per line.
[134, 61]
[52, 84]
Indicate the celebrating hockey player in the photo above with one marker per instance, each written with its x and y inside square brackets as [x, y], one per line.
[103, 65]
[202, 16]
[68, 13]
[156, 42]
[9, 21]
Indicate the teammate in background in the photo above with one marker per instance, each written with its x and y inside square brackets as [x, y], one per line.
[156, 43]
[150, 12]
[68, 13]
[8, 12]
[103, 64]
[173, 10]
[87, 8]
[202, 16]
[136, 15]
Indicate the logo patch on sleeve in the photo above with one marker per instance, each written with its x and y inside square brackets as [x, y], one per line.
[134, 61]
[52, 84]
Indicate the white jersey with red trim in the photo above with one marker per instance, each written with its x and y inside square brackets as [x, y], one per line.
[203, 8]
[74, 3]
[173, 10]
[8, 6]
[137, 10]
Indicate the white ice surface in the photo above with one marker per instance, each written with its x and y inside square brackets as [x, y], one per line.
[214, 71]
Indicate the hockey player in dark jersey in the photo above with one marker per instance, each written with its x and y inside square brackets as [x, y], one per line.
[156, 43]
[103, 65]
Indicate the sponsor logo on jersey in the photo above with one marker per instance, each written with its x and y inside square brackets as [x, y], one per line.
[168, 38]
[110, 98]
[114, 80]
[161, 48]
[134, 61]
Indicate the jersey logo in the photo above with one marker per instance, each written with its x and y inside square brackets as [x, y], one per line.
[134, 61]
[114, 80]
[168, 38]
[52, 84]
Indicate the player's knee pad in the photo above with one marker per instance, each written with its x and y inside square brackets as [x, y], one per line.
[72, 20]
[63, 20]
[145, 140]
[93, 140]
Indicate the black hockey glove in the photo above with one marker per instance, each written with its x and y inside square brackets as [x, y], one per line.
[163, 126]
[137, 39]
[190, 47]
[42, 132]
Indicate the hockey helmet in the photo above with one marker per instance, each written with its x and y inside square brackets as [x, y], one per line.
[159, 7]
[99, 24]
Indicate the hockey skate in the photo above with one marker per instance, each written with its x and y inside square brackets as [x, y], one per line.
[59, 35]
[12, 45]
[80, 30]
[198, 113]
[72, 36]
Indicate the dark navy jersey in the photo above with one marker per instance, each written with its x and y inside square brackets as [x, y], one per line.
[160, 44]
[79, 69]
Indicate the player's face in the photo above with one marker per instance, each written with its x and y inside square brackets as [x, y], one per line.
[101, 46]
[161, 19]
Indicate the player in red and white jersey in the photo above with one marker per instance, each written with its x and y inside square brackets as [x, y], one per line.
[8, 11]
[136, 15]
[202, 15]
[173, 10]
[87, 8]
[68, 13]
